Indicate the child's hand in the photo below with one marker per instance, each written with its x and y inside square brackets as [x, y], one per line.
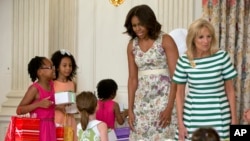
[45, 103]
[246, 116]
[61, 108]
[125, 113]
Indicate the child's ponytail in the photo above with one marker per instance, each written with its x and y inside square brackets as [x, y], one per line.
[86, 103]
[84, 119]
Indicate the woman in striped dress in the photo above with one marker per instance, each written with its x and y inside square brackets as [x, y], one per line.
[208, 71]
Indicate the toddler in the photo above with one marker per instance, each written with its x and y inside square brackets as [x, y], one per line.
[109, 110]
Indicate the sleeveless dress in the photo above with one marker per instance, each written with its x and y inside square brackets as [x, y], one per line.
[46, 115]
[206, 104]
[91, 133]
[151, 96]
[59, 115]
[106, 113]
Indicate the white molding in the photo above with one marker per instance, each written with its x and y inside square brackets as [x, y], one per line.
[176, 14]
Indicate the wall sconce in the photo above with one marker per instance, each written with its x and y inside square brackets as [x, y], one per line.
[116, 2]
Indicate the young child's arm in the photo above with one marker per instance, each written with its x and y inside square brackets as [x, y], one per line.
[25, 105]
[119, 116]
[103, 129]
[124, 113]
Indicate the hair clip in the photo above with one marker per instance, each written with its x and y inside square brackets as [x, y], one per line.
[64, 51]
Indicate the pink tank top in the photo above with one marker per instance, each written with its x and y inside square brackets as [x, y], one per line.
[106, 113]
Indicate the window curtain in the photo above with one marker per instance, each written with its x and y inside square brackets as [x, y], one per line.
[231, 19]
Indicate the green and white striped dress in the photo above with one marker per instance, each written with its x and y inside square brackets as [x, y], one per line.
[206, 104]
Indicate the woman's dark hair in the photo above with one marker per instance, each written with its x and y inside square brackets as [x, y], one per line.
[57, 58]
[86, 103]
[33, 66]
[205, 134]
[106, 89]
[146, 17]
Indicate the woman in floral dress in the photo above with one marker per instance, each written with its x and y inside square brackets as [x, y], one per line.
[152, 56]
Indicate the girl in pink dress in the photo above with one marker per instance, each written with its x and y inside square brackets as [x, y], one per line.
[109, 110]
[39, 98]
[65, 66]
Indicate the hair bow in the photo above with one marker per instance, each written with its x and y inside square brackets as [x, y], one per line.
[64, 51]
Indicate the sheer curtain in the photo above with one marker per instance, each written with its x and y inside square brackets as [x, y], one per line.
[231, 19]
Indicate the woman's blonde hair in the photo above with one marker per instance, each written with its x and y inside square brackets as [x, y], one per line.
[194, 31]
[86, 103]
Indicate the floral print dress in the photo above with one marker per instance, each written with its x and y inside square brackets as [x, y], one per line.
[151, 96]
[91, 133]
